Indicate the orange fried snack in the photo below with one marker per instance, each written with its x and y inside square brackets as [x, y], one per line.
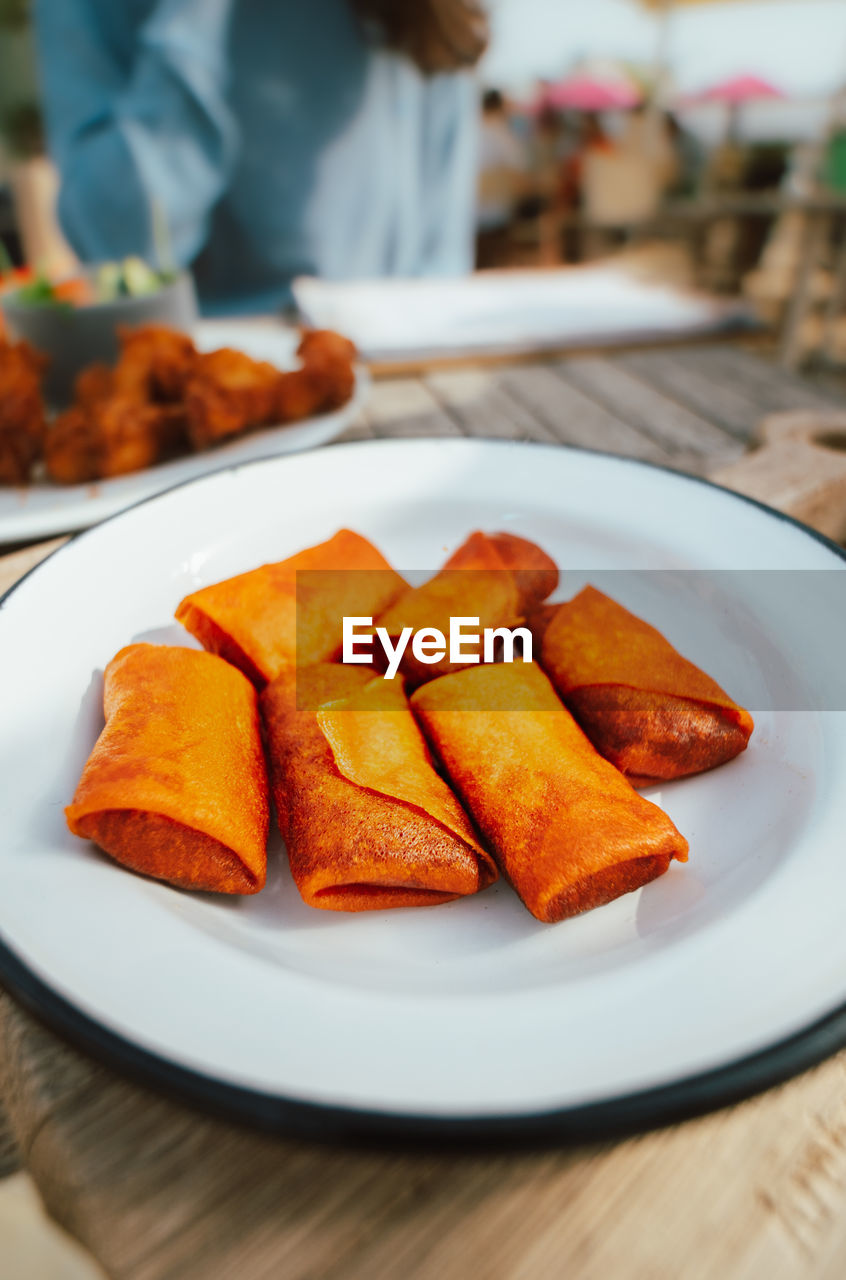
[112, 437]
[22, 422]
[325, 347]
[496, 577]
[644, 707]
[72, 448]
[567, 829]
[92, 385]
[155, 363]
[227, 393]
[176, 785]
[325, 381]
[367, 821]
[302, 393]
[268, 618]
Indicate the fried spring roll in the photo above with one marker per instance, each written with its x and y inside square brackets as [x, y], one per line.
[644, 707]
[267, 619]
[495, 577]
[176, 785]
[567, 829]
[367, 821]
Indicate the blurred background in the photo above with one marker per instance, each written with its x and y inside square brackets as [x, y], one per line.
[701, 143]
[706, 139]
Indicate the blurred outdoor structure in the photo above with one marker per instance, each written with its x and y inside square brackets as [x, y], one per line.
[735, 185]
[700, 142]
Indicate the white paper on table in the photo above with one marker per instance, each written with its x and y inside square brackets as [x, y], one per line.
[508, 311]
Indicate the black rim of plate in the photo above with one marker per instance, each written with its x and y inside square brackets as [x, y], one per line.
[615, 1117]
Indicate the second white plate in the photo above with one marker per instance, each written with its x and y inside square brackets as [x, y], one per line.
[43, 509]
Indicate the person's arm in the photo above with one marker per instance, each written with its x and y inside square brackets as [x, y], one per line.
[124, 139]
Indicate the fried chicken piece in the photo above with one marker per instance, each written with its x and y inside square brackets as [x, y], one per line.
[71, 449]
[321, 345]
[94, 383]
[137, 436]
[228, 393]
[155, 363]
[326, 380]
[308, 391]
[298, 395]
[22, 422]
[112, 438]
[25, 356]
[336, 382]
[329, 357]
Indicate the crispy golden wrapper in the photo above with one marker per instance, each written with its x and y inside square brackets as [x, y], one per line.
[645, 708]
[367, 820]
[567, 829]
[176, 785]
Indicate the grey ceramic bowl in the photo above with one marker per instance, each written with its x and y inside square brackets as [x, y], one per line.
[79, 336]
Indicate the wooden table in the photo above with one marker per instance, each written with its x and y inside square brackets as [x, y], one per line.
[157, 1192]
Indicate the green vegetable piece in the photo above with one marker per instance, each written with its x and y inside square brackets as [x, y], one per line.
[108, 281]
[40, 293]
[138, 278]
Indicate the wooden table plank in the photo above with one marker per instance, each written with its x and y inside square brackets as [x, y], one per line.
[14, 566]
[575, 419]
[680, 377]
[406, 407]
[663, 419]
[771, 387]
[485, 408]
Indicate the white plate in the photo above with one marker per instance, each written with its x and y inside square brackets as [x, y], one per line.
[510, 311]
[42, 509]
[469, 1018]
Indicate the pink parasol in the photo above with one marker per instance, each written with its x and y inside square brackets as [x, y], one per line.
[590, 93]
[737, 90]
[734, 93]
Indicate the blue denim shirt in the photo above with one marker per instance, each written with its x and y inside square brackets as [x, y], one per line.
[274, 139]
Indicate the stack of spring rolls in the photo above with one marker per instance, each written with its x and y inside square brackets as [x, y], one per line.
[409, 791]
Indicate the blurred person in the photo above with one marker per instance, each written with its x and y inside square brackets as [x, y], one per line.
[272, 138]
[585, 189]
[501, 180]
[553, 141]
[552, 144]
[653, 137]
[593, 139]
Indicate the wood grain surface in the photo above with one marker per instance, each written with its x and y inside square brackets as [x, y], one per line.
[158, 1192]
